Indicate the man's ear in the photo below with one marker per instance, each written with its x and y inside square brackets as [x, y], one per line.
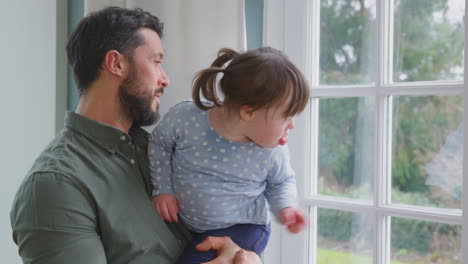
[115, 63]
[246, 112]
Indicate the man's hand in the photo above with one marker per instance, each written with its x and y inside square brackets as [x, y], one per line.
[167, 207]
[293, 218]
[247, 257]
[228, 251]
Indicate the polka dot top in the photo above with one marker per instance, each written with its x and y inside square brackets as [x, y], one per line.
[217, 182]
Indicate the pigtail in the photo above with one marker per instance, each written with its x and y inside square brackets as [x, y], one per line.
[224, 55]
[205, 80]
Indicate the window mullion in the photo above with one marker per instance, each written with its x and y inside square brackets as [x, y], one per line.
[464, 248]
[313, 55]
[313, 73]
[382, 188]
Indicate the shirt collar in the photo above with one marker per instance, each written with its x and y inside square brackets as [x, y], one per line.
[105, 135]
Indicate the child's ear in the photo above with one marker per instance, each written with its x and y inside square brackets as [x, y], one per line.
[246, 112]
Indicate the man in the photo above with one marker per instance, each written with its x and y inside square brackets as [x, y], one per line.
[87, 197]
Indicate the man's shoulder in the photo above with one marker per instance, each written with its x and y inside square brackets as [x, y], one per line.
[59, 156]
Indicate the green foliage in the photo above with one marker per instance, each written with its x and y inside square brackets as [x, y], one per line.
[426, 48]
[345, 226]
[336, 151]
[421, 125]
[412, 198]
[334, 224]
[407, 235]
[411, 235]
[346, 33]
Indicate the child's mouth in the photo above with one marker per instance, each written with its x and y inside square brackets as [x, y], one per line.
[283, 140]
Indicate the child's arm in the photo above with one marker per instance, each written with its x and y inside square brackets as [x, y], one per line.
[281, 191]
[160, 150]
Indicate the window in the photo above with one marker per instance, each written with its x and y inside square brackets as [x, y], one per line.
[379, 153]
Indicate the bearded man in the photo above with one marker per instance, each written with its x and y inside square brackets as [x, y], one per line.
[86, 198]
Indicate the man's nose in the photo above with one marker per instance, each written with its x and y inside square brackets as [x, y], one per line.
[164, 81]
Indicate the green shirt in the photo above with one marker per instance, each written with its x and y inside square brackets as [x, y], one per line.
[87, 200]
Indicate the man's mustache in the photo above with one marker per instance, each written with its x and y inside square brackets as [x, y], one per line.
[160, 90]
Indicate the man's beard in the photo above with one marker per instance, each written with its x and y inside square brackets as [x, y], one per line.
[138, 106]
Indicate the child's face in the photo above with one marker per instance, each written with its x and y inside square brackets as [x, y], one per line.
[269, 128]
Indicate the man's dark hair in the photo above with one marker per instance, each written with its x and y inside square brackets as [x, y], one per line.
[112, 28]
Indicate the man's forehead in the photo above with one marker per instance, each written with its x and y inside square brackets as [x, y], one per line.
[151, 42]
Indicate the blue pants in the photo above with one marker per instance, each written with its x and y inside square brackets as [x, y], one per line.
[247, 236]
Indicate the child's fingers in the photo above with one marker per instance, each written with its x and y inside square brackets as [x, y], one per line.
[165, 212]
[158, 206]
[172, 211]
[296, 227]
[298, 223]
[300, 218]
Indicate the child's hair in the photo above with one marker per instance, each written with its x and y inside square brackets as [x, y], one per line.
[258, 78]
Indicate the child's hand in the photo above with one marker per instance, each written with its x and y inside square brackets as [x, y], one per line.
[293, 218]
[167, 207]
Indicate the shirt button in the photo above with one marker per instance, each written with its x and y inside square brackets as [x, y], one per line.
[122, 138]
[132, 161]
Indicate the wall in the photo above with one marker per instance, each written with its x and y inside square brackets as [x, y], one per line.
[27, 101]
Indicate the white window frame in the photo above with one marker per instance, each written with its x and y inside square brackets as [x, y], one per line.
[292, 26]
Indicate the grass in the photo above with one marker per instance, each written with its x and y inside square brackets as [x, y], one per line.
[325, 256]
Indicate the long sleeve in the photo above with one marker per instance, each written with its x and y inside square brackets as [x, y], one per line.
[281, 191]
[160, 151]
[54, 222]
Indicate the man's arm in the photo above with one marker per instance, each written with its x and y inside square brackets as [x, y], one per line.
[54, 221]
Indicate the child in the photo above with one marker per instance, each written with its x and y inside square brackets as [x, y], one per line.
[216, 164]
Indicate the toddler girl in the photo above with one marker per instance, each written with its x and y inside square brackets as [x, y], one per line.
[216, 162]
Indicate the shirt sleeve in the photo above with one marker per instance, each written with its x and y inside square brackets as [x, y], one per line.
[160, 151]
[281, 191]
[54, 221]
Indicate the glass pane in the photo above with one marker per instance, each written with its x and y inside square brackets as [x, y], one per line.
[424, 242]
[347, 42]
[344, 237]
[346, 147]
[427, 149]
[429, 40]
